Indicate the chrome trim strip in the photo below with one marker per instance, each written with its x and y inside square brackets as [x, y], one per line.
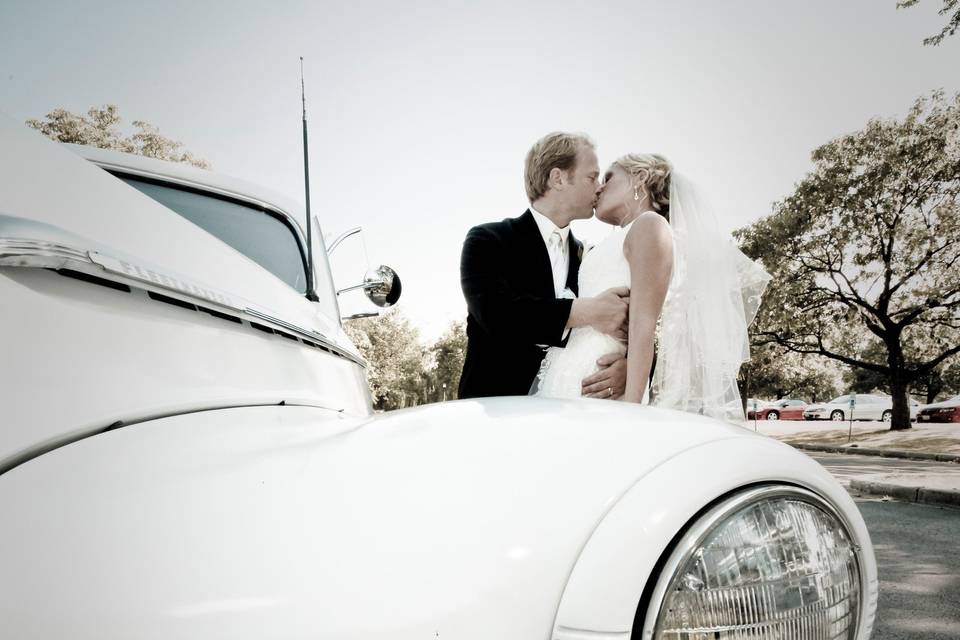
[702, 527]
[571, 633]
[306, 334]
[184, 182]
[39, 254]
[166, 281]
[23, 252]
[340, 238]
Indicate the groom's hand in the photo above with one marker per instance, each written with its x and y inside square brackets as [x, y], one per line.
[610, 381]
[607, 312]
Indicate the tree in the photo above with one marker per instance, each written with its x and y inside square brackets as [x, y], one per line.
[778, 373]
[448, 353]
[939, 380]
[100, 128]
[951, 377]
[396, 362]
[953, 23]
[868, 247]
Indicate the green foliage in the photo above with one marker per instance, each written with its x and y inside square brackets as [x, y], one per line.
[448, 353]
[396, 362]
[867, 249]
[953, 22]
[100, 128]
[777, 373]
[944, 379]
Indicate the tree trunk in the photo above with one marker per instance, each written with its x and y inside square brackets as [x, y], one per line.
[934, 385]
[899, 385]
[901, 407]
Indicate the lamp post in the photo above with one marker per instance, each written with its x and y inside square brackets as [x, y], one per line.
[444, 392]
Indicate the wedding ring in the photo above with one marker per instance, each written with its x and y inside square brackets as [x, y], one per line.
[609, 392]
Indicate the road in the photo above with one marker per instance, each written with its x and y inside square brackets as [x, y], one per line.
[918, 555]
[918, 552]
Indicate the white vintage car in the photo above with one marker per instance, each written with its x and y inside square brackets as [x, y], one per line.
[187, 450]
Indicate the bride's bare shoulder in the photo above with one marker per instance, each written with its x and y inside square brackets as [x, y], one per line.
[649, 235]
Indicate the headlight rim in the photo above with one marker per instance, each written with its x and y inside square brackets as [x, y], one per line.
[700, 526]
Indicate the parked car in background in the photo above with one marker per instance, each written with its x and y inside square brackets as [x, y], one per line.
[793, 411]
[754, 405]
[946, 411]
[188, 450]
[866, 407]
[774, 410]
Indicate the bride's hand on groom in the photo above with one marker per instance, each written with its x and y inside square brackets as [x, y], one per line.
[610, 381]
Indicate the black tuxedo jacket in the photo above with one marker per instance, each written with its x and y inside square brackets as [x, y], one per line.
[511, 305]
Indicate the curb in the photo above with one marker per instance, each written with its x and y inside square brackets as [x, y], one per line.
[910, 494]
[883, 453]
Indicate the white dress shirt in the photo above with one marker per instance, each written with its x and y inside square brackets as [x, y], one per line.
[556, 241]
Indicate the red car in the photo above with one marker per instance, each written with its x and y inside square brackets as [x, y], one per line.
[785, 409]
[946, 411]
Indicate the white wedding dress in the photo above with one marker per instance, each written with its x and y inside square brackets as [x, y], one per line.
[564, 368]
[702, 339]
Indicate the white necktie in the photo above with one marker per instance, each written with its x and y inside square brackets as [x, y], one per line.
[556, 258]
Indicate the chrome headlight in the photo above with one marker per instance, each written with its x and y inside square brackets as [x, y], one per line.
[771, 562]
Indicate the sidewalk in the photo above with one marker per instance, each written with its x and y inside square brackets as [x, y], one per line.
[924, 438]
[921, 464]
[921, 481]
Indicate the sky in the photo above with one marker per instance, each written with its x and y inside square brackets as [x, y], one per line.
[420, 114]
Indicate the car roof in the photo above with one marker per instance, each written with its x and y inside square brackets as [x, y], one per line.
[188, 175]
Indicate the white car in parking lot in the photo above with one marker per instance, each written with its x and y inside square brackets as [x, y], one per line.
[188, 450]
[865, 407]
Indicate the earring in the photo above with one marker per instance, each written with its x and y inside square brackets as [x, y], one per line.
[636, 193]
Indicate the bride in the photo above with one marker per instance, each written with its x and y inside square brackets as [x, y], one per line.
[693, 294]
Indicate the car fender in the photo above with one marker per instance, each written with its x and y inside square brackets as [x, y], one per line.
[618, 562]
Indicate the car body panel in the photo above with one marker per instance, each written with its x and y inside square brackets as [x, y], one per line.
[793, 412]
[115, 345]
[867, 407]
[944, 411]
[637, 530]
[314, 524]
[778, 408]
[105, 215]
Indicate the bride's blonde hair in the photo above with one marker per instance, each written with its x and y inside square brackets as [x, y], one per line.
[653, 172]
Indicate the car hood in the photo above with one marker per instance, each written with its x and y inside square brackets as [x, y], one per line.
[946, 404]
[237, 519]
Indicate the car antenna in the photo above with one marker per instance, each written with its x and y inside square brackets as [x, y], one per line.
[311, 290]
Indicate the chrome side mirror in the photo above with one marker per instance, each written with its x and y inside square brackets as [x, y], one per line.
[381, 285]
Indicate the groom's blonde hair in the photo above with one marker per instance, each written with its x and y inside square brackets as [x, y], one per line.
[557, 150]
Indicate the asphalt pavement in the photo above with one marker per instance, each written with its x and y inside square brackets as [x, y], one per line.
[917, 545]
[918, 556]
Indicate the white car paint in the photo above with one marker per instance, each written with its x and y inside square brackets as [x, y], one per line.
[866, 407]
[91, 342]
[463, 520]
[145, 495]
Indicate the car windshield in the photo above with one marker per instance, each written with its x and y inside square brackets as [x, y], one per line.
[841, 399]
[261, 235]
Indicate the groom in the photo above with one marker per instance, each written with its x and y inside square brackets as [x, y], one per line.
[519, 277]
